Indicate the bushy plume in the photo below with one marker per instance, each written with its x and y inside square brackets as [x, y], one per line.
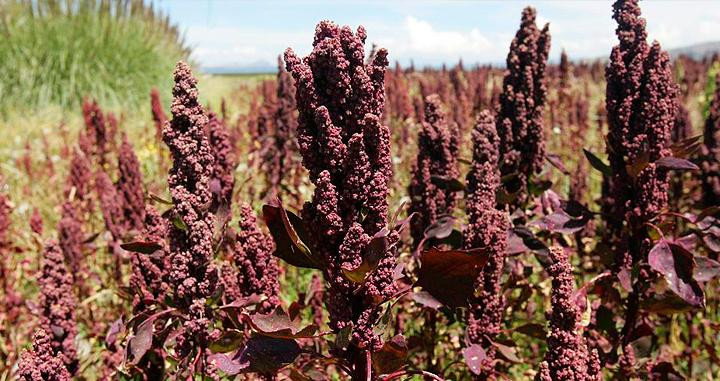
[398, 94]
[641, 108]
[578, 178]
[10, 298]
[109, 206]
[682, 126]
[520, 116]
[487, 228]
[149, 275]
[222, 182]
[711, 151]
[5, 210]
[78, 187]
[192, 275]
[257, 269]
[437, 158]
[279, 161]
[57, 305]
[459, 101]
[346, 151]
[40, 362]
[71, 237]
[96, 131]
[568, 356]
[130, 187]
[36, 222]
[158, 114]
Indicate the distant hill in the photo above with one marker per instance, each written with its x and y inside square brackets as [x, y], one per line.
[697, 51]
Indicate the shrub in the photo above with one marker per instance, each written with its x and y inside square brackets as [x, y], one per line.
[57, 52]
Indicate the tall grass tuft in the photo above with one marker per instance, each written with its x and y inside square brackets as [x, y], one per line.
[55, 52]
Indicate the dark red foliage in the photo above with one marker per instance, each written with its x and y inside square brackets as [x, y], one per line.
[57, 305]
[520, 116]
[130, 187]
[149, 277]
[222, 182]
[436, 159]
[5, 210]
[192, 275]
[158, 114]
[711, 151]
[40, 362]
[568, 356]
[641, 108]
[345, 149]
[487, 228]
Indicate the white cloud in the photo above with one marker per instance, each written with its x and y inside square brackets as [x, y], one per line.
[236, 46]
[584, 29]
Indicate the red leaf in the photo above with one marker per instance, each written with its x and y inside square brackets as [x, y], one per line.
[290, 235]
[141, 247]
[450, 275]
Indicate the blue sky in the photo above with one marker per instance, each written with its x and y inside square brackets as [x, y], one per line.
[253, 33]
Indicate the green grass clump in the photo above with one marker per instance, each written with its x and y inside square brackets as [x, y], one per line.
[57, 52]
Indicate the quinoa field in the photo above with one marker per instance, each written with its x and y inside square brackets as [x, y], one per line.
[351, 218]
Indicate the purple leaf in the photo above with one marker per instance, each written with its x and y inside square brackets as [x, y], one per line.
[506, 351]
[228, 363]
[113, 332]
[267, 355]
[441, 228]
[141, 342]
[474, 357]
[290, 235]
[676, 163]
[533, 330]
[705, 269]
[279, 325]
[676, 265]
[557, 162]
[425, 299]
[391, 357]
